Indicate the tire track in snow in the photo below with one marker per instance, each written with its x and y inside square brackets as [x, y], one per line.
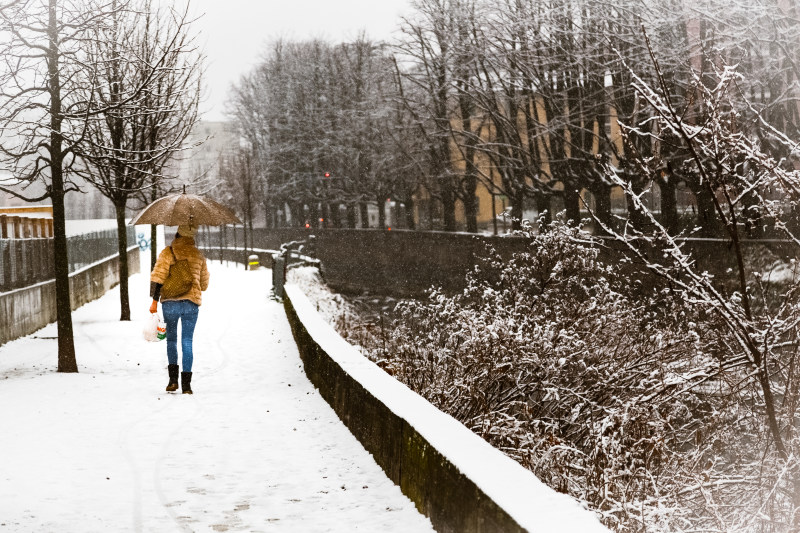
[198, 403]
[162, 496]
[123, 439]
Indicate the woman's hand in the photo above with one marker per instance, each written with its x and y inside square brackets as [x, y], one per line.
[154, 307]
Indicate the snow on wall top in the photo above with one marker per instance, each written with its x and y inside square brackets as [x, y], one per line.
[530, 502]
[81, 227]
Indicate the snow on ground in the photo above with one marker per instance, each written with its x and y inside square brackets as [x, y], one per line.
[256, 448]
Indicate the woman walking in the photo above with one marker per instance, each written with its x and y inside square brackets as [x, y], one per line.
[183, 308]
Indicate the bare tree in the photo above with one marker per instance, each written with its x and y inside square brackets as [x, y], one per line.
[365, 119]
[318, 120]
[744, 180]
[240, 181]
[249, 107]
[429, 48]
[45, 111]
[148, 60]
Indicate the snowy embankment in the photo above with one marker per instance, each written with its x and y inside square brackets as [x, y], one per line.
[254, 449]
[462, 482]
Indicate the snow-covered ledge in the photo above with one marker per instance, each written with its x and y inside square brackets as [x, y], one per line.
[453, 476]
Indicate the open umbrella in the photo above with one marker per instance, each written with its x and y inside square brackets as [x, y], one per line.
[185, 209]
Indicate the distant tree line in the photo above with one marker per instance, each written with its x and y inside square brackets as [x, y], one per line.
[319, 124]
[532, 100]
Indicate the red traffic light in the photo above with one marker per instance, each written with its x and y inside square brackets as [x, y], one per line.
[327, 174]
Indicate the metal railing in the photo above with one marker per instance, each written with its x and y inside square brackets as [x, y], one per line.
[25, 262]
[291, 254]
[88, 248]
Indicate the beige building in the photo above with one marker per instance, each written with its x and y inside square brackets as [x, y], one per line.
[493, 208]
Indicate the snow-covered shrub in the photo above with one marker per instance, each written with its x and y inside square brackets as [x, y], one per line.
[637, 400]
[742, 471]
[361, 319]
[607, 391]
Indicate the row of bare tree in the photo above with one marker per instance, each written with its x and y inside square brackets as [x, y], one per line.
[103, 90]
[318, 123]
[522, 97]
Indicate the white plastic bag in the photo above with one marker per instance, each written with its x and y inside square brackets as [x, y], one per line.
[154, 329]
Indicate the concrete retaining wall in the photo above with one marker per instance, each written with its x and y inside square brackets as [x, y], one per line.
[26, 310]
[453, 476]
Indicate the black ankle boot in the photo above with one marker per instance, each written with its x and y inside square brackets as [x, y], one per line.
[173, 378]
[186, 382]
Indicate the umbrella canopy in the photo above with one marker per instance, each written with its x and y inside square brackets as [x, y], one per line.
[189, 209]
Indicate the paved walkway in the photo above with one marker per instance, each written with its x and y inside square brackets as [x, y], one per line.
[254, 449]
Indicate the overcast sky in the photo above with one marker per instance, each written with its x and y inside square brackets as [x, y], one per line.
[233, 33]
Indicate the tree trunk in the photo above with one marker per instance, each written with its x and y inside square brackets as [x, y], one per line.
[336, 217]
[471, 202]
[543, 207]
[572, 202]
[516, 212]
[470, 175]
[706, 215]
[221, 242]
[153, 229]
[244, 245]
[364, 214]
[410, 222]
[351, 216]
[122, 249]
[325, 215]
[153, 246]
[669, 205]
[753, 221]
[66, 344]
[313, 215]
[448, 205]
[602, 204]
[298, 215]
[267, 215]
[119, 198]
[381, 211]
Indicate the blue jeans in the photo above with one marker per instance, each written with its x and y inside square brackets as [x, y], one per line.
[186, 311]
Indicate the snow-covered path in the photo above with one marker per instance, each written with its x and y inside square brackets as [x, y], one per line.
[254, 449]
